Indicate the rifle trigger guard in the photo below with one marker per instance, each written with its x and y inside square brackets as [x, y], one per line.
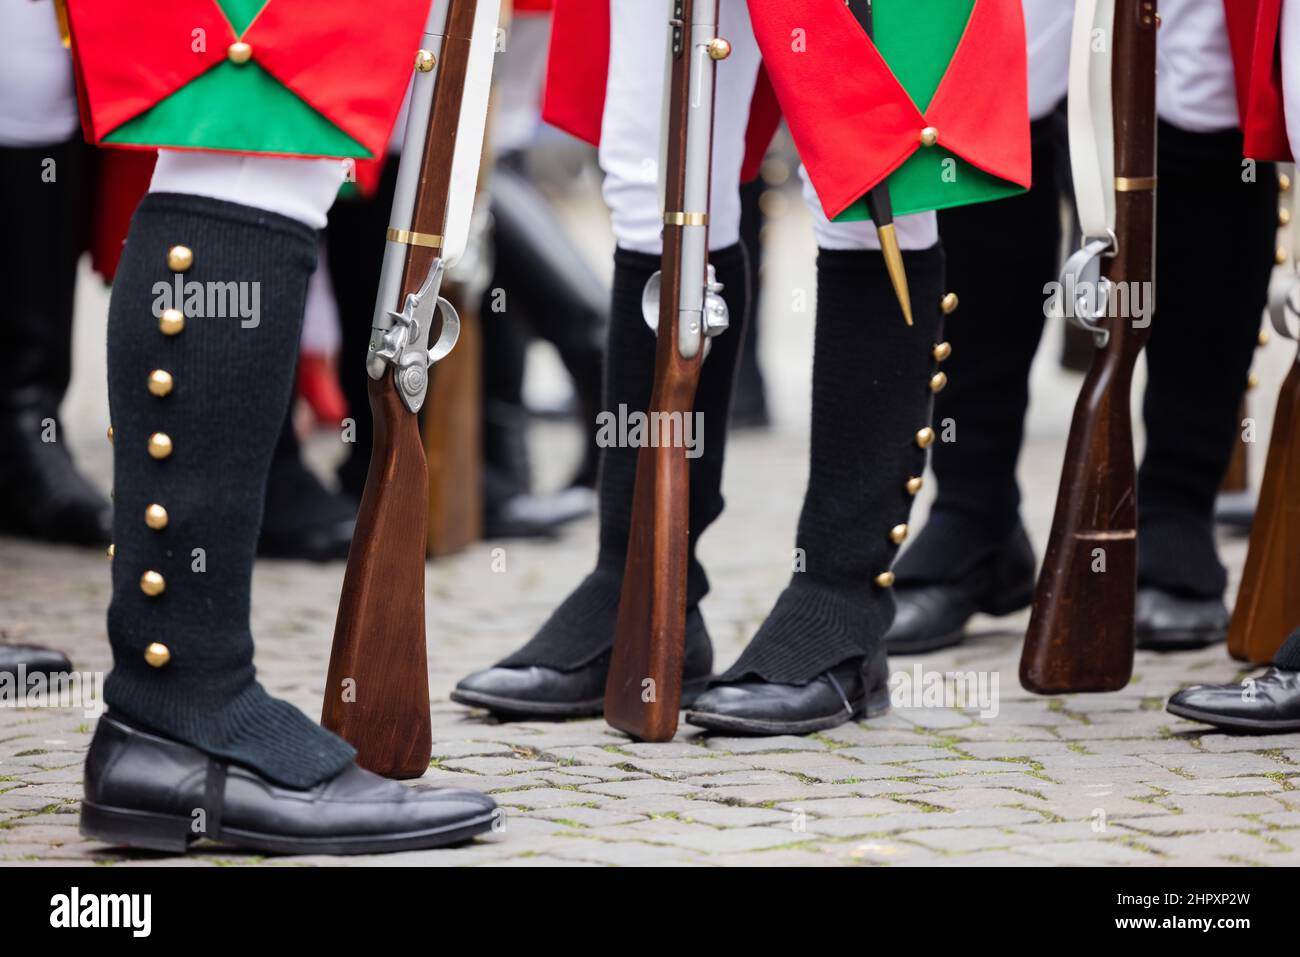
[405, 345]
[1284, 304]
[1085, 292]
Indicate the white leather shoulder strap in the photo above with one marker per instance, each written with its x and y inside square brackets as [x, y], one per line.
[1091, 120]
[469, 135]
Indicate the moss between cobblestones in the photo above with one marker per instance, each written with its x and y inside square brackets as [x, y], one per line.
[1281, 777]
[1057, 706]
[1134, 844]
[923, 806]
[1049, 817]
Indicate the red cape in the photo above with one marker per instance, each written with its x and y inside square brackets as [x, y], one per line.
[852, 127]
[1252, 32]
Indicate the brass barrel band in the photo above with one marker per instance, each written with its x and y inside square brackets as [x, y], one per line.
[686, 219]
[410, 238]
[1134, 184]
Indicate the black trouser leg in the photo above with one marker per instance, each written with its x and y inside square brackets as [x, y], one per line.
[41, 492]
[555, 290]
[582, 628]
[354, 241]
[999, 256]
[1202, 342]
[872, 393]
[197, 404]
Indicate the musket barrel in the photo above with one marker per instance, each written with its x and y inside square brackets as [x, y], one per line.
[419, 109]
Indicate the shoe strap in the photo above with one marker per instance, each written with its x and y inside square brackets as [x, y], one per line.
[214, 799]
[839, 690]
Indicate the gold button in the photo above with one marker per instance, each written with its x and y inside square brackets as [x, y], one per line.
[1264, 337]
[157, 654]
[898, 534]
[171, 322]
[1280, 257]
[885, 579]
[1284, 217]
[425, 61]
[719, 49]
[160, 445]
[110, 551]
[948, 304]
[152, 584]
[239, 52]
[925, 437]
[929, 136]
[914, 484]
[942, 350]
[1252, 381]
[160, 382]
[110, 433]
[938, 381]
[1284, 183]
[155, 516]
[180, 258]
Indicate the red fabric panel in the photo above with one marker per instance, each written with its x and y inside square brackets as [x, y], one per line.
[121, 180]
[1252, 33]
[131, 55]
[577, 69]
[981, 108]
[764, 118]
[852, 126]
[351, 64]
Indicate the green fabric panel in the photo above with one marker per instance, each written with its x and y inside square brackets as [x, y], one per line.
[917, 38]
[240, 13]
[238, 107]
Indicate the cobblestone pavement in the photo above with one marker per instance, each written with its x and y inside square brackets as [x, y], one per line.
[1099, 780]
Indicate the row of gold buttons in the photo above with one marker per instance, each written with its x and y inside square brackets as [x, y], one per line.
[924, 437]
[160, 384]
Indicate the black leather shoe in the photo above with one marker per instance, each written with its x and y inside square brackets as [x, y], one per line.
[32, 660]
[1169, 622]
[302, 519]
[42, 495]
[1234, 512]
[536, 516]
[846, 692]
[537, 692]
[147, 791]
[931, 616]
[1266, 704]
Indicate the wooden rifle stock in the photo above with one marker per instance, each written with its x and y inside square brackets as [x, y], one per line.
[377, 691]
[1081, 633]
[644, 687]
[1268, 601]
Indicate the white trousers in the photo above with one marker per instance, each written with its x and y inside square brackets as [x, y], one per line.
[630, 137]
[1289, 42]
[302, 189]
[1195, 85]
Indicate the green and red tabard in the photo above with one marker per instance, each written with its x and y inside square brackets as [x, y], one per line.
[939, 101]
[948, 71]
[283, 77]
